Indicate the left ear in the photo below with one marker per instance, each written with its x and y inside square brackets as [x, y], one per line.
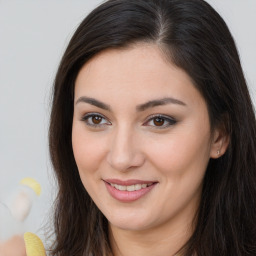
[220, 142]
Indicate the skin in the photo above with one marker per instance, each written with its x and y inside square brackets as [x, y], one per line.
[131, 144]
[13, 247]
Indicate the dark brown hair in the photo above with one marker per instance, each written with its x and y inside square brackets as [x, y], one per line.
[196, 39]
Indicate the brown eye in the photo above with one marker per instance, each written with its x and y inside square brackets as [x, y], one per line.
[158, 121]
[96, 119]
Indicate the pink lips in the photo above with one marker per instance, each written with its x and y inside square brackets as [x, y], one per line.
[128, 196]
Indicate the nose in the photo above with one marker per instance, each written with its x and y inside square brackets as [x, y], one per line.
[125, 151]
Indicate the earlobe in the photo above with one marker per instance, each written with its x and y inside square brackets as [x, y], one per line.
[220, 143]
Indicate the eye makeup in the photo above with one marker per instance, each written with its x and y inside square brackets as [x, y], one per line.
[157, 121]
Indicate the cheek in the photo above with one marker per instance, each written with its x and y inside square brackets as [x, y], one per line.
[88, 150]
[181, 153]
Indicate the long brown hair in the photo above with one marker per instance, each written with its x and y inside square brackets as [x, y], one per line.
[197, 40]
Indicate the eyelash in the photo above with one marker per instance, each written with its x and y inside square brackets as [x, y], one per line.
[89, 116]
[167, 121]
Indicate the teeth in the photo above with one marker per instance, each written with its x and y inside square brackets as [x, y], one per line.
[122, 188]
[137, 186]
[130, 188]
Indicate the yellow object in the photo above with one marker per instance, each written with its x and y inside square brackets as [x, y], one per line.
[33, 184]
[34, 245]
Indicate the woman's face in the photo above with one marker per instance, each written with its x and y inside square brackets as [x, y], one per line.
[141, 138]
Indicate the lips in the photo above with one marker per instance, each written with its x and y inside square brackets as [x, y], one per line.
[131, 187]
[129, 190]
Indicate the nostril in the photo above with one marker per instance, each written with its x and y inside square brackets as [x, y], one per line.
[124, 161]
[124, 152]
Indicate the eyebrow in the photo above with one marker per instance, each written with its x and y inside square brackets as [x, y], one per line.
[141, 107]
[160, 102]
[93, 102]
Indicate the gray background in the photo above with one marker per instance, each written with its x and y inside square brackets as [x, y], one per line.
[33, 36]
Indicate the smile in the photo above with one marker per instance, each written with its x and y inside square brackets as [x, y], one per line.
[128, 191]
[130, 188]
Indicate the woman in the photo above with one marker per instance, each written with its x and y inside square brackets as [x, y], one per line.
[153, 135]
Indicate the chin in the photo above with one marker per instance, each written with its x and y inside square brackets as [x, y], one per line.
[131, 221]
[125, 225]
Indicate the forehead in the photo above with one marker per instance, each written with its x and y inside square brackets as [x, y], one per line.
[137, 72]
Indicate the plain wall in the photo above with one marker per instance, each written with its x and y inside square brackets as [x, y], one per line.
[33, 36]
